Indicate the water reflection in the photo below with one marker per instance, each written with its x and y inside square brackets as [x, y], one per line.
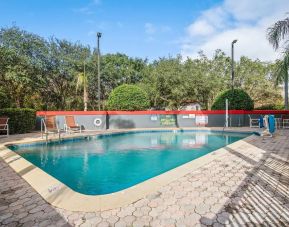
[110, 163]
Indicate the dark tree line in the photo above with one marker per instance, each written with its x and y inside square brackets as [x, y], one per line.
[57, 74]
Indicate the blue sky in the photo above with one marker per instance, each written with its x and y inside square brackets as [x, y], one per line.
[144, 28]
[152, 28]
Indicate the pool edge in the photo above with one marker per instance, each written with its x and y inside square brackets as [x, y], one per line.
[61, 196]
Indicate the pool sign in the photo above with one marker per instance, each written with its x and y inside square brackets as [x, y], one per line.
[168, 120]
[201, 119]
[154, 117]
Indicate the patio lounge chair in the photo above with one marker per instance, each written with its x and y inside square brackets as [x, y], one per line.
[70, 124]
[285, 121]
[4, 124]
[49, 126]
[254, 122]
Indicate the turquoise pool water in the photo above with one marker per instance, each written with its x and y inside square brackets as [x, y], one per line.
[109, 163]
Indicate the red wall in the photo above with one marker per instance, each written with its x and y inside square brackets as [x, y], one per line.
[155, 112]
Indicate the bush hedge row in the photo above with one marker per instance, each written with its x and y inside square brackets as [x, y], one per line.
[128, 97]
[271, 107]
[238, 100]
[20, 120]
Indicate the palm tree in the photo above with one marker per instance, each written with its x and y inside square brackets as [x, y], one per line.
[276, 34]
[281, 75]
[82, 82]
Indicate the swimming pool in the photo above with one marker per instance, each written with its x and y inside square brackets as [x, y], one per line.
[103, 164]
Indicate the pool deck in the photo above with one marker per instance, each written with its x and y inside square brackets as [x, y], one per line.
[245, 183]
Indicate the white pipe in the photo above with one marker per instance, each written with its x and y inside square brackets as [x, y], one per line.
[227, 113]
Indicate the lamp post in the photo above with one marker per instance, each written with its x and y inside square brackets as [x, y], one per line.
[98, 68]
[232, 63]
[84, 87]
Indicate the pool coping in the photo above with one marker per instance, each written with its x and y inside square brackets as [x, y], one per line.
[59, 195]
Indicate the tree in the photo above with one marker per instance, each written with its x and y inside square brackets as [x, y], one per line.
[65, 62]
[22, 63]
[256, 78]
[116, 69]
[49, 74]
[208, 77]
[16, 76]
[165, 82]
[281, 74]
[276, 34]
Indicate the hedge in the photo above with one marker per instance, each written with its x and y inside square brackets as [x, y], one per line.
[238, 100]
[20, 120]
[271, 107]
[128, 97]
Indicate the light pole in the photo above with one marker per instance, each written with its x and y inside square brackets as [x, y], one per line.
[232, 62]
[98, 68]
[84, 88]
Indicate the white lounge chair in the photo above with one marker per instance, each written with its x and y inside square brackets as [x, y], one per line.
[285, 121]
[4, 125]
[254, 122]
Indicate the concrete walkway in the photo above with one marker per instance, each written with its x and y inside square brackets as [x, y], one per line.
[247, 185]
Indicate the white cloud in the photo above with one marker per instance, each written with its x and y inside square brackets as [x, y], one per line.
[209, 22]
[149, 28]
[200, 27]
[244, 20]
[252, 10]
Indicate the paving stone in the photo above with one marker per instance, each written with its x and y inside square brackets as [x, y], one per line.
[121, 223]
[103, 224]
[223, 218]
[5, 216]
[141, 202]
[192, 219]
[21, 215]
[206, 221]
[28, 224]
[106, 214]
[95, 220]
[202, 208]
[86, 224]
[13, 224]
[129, 219]
[112, 219]
[44, 223]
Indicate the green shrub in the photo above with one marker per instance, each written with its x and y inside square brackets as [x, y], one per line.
[128, 97]
[238, 100]
[271, 107]
[20, 120]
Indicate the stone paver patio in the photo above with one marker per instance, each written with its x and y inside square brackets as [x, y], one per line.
[247, 185]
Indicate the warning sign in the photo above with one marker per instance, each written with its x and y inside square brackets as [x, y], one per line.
[168, 120]
[202, 120]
